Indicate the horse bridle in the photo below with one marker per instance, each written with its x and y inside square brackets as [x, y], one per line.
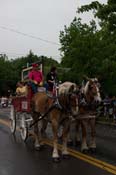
[82, 96]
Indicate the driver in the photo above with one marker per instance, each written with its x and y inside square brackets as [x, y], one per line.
[35, 77]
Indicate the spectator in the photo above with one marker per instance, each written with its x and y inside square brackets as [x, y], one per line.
[106, 103]
[114, 108]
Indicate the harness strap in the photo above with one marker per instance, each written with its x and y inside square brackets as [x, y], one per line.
[42, 116]
[55, 105]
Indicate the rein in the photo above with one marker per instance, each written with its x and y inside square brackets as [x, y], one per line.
[88, 106]
[67, 107]
[61, 102]
[56, 105]
[46, 113]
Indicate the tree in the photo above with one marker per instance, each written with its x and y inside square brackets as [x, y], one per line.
[87, 50]
[10, 72]
[78, 44]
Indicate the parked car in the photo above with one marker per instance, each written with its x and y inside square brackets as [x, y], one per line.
[4, 102]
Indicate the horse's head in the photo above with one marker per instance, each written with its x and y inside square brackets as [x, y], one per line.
[68, 91]
[92, 90]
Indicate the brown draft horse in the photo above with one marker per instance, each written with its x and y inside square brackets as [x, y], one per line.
[66, 105]
[89, 97]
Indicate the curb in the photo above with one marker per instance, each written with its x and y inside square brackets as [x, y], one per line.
[106, 123]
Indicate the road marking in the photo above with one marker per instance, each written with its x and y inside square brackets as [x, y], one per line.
[103, 165]
[98, 163]
[4, 122]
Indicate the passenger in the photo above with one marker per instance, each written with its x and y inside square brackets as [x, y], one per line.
[35, 77]
[21, 89]
[51, 78]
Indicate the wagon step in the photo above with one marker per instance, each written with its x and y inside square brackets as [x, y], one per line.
[28, 120]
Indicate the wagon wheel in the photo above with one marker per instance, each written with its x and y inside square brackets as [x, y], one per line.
[12, 120]
[23, 129]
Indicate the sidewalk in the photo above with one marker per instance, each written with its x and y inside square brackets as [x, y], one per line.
[106, 123]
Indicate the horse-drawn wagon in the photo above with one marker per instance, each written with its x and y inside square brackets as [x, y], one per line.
[59, 108]
[20, 114]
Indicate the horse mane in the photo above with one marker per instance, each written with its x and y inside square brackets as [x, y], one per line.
[66, 88]
[86, 87]
[87, 84]
[91, 81]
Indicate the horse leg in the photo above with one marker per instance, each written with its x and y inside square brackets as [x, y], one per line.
[77, 127]
[84, 147]
[65, 135]
[60, 135]
[70, 141]
[44, 124]
[36, 133]
[54, 119]
[92, 145]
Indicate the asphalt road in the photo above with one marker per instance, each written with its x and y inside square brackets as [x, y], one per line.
[17, 157]
[105, 142]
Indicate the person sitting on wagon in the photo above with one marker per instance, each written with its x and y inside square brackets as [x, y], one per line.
[35, 78]
[21, 89]
[51, 78]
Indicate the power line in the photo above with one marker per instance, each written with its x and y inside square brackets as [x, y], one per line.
[28, 35]
[12, 53]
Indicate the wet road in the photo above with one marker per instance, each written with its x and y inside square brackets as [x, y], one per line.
[17, 157]
[105, 141]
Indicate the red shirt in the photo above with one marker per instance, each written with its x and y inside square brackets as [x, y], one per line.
[36, 75]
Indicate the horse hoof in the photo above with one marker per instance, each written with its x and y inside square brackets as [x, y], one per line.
[39, 148]
[42, 146]
[77, 143]
[56, 159]
[70, 143]
[60, 138]
[66, 156]
[84, 151]
[44, 135]
[92, 150]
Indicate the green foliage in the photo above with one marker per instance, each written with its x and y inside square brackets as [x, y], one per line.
[79, 47]
[10, 72]
[92, 52]
[85, 51]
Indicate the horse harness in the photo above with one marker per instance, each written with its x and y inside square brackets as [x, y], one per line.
[88, 107]
[56, 104]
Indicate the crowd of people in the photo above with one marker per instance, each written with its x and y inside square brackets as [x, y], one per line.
[108, 108]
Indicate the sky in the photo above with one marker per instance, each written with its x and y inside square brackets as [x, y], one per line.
[35, 25]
